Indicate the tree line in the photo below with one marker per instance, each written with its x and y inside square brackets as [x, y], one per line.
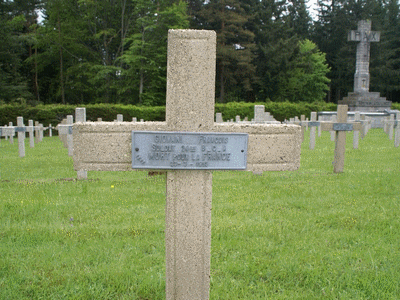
[115, 51]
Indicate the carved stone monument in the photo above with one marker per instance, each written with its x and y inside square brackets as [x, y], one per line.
[362, 99]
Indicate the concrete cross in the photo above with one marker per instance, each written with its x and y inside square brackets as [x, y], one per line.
[11, 132]
[393, 125]
[397, 130]
[365, 36]
[340, 127]
[31, 129]
[356, 134]
[21, 129]
[302, 123]
[65, 133]
[189, 108]
[313, 124]
[38, 132]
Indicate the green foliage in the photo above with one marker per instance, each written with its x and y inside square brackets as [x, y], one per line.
[306, 80]
[236, 72]
[279, 110]
[104, 51]
[53, 114]
[146, 56]
[395, 106]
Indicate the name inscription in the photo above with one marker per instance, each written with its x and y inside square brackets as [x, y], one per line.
[189, 150]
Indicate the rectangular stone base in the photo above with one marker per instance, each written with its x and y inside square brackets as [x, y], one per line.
[366, 102]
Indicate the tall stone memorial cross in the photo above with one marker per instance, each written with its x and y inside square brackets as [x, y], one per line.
[340, 126]
[364, 36]
[189, 145]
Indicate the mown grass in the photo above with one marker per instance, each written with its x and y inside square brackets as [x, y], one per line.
[307, 234]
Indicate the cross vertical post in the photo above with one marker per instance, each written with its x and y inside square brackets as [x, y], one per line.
[37, 138]
[397, 130]
[80, 116]
[189, 107]
[356, 133]
[12, 132]
[339, 129]
[70, 121]
[313, 125]
[31, 137]
[21, 137]
[340, 138]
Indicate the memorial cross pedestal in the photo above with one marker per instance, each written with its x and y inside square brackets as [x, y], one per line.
[189, 108]
[340, 127]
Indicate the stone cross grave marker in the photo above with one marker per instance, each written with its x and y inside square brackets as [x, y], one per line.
[113, 146]
[11, 132]
[340, 127]
[397, 130]
[356, 134]
[21, 129]
[393, 126]
[313, 124]
[65, 133]
[364, 36]
[31, 132]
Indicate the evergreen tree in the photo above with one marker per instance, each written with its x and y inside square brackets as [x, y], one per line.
[306, 80]
[146, 56]
[236, 71]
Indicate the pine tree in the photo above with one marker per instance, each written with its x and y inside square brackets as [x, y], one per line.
[236, 71]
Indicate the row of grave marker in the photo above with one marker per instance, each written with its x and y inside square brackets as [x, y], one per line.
[391, 127]
[35, 133]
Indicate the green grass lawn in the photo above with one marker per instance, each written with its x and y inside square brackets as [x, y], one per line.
[307, 234]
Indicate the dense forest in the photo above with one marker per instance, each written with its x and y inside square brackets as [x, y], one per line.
[115, 51]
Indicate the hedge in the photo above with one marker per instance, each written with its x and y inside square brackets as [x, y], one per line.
[53, 114]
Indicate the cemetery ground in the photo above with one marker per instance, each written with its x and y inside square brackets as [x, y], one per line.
[307, 234]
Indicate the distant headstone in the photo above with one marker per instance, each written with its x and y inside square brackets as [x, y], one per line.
[218, 118]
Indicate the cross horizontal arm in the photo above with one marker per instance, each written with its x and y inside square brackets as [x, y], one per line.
[107, 146]
[328, 126]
